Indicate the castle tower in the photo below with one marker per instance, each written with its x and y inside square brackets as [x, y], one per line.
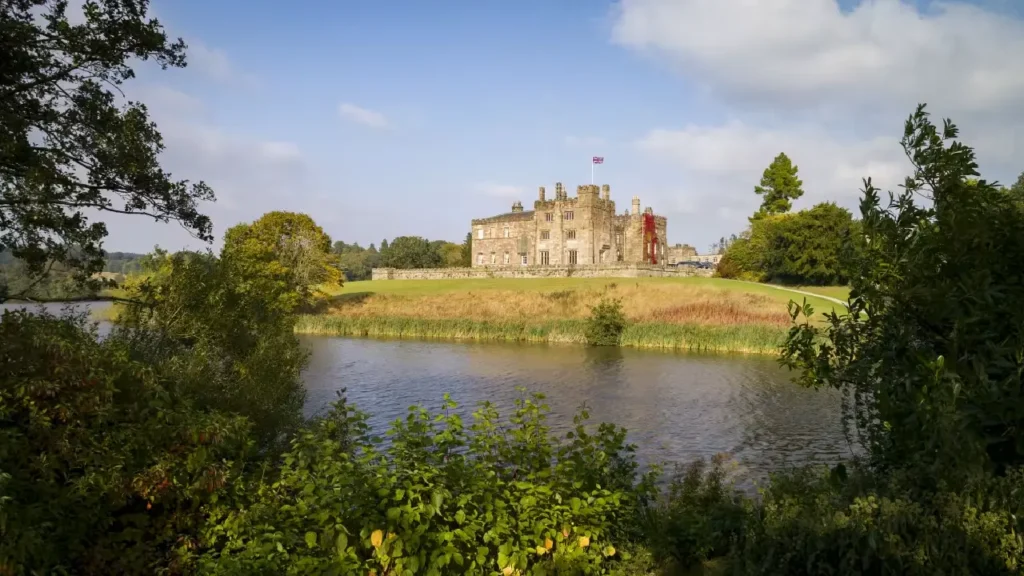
[636, 206]
[606, 192]
[559, 191]
[540, 194]
[517, 206]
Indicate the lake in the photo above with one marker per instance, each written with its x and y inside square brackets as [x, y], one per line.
[677, 407]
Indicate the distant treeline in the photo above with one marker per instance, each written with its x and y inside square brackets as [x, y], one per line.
[59, 283]
[403, 252]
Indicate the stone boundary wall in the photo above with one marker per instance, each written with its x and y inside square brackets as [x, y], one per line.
[579, 271]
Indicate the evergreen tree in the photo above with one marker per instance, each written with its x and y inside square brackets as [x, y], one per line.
[383, 245]
[779, 187]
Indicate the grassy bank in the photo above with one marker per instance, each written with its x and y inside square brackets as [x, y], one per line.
[697, 314]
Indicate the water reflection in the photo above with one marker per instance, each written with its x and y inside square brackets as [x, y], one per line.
[676, 407]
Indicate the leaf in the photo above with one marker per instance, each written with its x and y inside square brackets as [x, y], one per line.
[584, 541]
[311, 539]
[377, 538]
[460, 516]
[575, 504]
[341, 543]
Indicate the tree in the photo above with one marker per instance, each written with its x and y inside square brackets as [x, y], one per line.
[410, 252]
[68, 145]
[779, 187]
[930, 351]
[451, 255]
[383, 245]
[287, 249]
[467, 251]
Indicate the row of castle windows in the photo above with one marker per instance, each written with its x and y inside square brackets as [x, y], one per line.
[546, 234]
[545, 258]
[550, 217]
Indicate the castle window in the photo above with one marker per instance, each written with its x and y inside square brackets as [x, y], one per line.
[480, 234]
[480, 258]
[570, 234]
[545, 234]
[567, 215]
[507, 260]
[544, 259]
[492, 257]
[572, 256]
[524, 259]
[506, 232]
[620, 257]
[618, 239]
[548, 217]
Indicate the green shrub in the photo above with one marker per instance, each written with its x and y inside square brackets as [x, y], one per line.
[700, 517]
[808, 523]
[441, 497]
[606, 323]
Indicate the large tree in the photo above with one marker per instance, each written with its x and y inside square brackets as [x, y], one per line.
[69, 144]
[779, 187]
[287, 250]
[410, 252]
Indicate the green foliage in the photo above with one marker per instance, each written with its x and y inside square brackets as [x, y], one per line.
[808, 247]
[812, 523]
[286, 253]
[467, 251]
[440, 497]
[228, 346]
[452, 255]
[779, 187]
[606, 323]
[410, 252]
[701, 516]
[67, 146]
[930, 354]
[104, 459]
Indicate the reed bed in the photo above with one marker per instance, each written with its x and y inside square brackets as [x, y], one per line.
[750, 339]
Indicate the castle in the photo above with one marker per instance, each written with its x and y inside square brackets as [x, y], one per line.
[574, 231]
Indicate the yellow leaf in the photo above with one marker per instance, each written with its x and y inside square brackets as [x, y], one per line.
[377, 538]
[584, 541]
[541, 550]
[548, 543]
[565, 532]
[507, 571]
[609, 551]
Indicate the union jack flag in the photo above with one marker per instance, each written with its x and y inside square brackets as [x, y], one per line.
[598, 159]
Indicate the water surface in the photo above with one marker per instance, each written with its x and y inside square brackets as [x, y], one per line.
[677, 407]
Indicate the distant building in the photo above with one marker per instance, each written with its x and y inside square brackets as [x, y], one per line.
[567, 231]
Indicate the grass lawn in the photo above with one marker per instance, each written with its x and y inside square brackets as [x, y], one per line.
[707, 314]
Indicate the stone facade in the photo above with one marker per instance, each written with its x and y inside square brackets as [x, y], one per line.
[680, 253]
[563, 231]
[613, 270]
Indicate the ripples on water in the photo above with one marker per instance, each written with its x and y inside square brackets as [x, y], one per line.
[676, 407]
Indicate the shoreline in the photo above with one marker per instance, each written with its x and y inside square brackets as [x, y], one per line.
[742, 339]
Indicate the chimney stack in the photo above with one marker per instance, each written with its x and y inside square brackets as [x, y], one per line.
[636, 206]
[540, 194]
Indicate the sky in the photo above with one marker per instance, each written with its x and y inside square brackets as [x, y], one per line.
[388, 118]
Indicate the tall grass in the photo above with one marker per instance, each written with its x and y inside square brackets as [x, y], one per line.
[689, 337]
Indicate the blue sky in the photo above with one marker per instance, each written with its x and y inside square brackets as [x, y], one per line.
[388, 118]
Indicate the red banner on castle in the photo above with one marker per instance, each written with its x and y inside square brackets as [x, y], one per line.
[598, 159]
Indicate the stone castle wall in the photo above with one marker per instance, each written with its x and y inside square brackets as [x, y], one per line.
[584, 271]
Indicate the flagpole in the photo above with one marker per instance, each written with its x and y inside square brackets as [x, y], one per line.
[591, 170]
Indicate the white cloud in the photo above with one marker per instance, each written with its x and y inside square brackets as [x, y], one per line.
[499, 190]
[584, 141]
[215, 64]
[249, 175]
[828, 87]
[362, 116]
[796, 53]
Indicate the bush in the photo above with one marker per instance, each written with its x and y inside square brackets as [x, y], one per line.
[606, 323]
[441, 497]
[700, 517]
[810, 523]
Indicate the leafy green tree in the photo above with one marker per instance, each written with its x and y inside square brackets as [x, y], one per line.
[287, 250]
[67, 146]
[930, 352]
[451, 255]
[383, 245]
[467, 251]
[410, 252]
[779, 187]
